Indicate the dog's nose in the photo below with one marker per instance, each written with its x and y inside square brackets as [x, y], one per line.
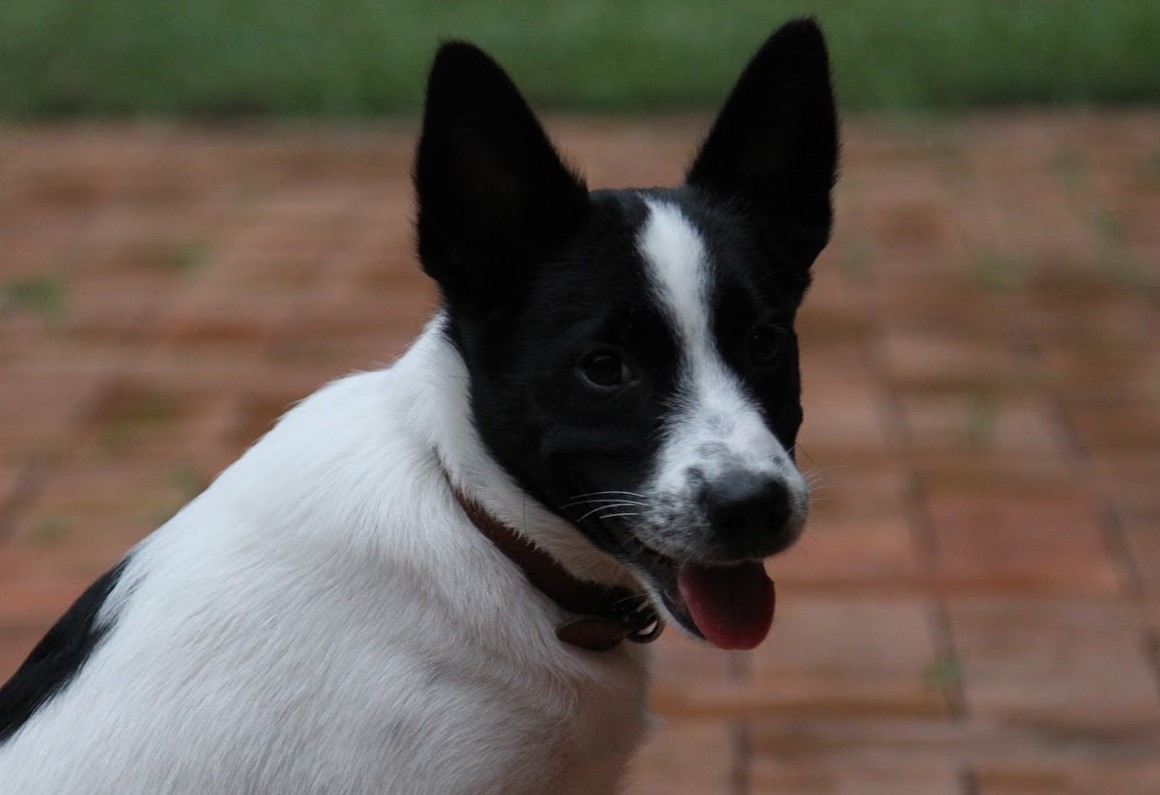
[749, 513]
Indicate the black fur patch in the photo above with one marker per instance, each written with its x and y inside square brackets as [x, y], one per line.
[58, 657]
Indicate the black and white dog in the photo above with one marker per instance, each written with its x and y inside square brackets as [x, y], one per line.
[421, 580]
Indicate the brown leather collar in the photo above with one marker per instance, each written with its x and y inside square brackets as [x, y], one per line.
[602, 615]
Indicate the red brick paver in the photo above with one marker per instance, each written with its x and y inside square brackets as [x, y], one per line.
[975, 609]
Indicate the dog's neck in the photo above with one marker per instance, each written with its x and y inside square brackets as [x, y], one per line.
[591, 586]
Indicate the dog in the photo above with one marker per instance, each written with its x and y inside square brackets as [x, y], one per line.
[438, 577]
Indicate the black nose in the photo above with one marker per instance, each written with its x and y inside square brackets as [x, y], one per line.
[749, 512]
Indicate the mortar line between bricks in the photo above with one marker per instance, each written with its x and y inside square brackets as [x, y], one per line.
[36, 470]
[945, 648]
[740, 668]
[1152, 654]
[1109, 521]
[922, 525]
[947, 652]
[740, 752]
[922, 532]
[968, 781]
[27, 489]
[1082, 463]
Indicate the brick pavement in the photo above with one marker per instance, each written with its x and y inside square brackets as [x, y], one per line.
[976, 607]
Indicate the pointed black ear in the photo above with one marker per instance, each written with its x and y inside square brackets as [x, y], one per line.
[494, 197]
[773, 148]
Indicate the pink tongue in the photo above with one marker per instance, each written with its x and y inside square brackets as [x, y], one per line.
[731, 605]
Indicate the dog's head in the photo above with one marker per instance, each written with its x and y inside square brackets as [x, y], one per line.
[631, 353]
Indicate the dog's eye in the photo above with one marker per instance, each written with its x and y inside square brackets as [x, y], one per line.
[765, 344]
[606, 368]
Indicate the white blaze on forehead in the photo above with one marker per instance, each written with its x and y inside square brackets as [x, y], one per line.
[716, 425]
[678, 271]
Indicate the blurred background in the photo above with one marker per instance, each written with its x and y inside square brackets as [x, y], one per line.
[205, 214]
[363, 58]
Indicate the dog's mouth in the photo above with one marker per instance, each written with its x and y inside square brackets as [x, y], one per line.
[728, 603]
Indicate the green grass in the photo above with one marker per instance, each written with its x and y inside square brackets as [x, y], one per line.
[367, 57]
[49, 531]
[856, 258]
[45, 295]
[1107, 226]
[984, 408]
[188, 258]
[946, 672]
[185, 483]
[147, 411]
[996, 271]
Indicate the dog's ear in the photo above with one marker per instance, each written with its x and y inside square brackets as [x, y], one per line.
[494, 197]
[773, 148]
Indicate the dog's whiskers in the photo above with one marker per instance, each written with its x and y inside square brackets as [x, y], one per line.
[599, 493]
[802, 450]
[599, 508]
[815, 476]
[606, 501]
